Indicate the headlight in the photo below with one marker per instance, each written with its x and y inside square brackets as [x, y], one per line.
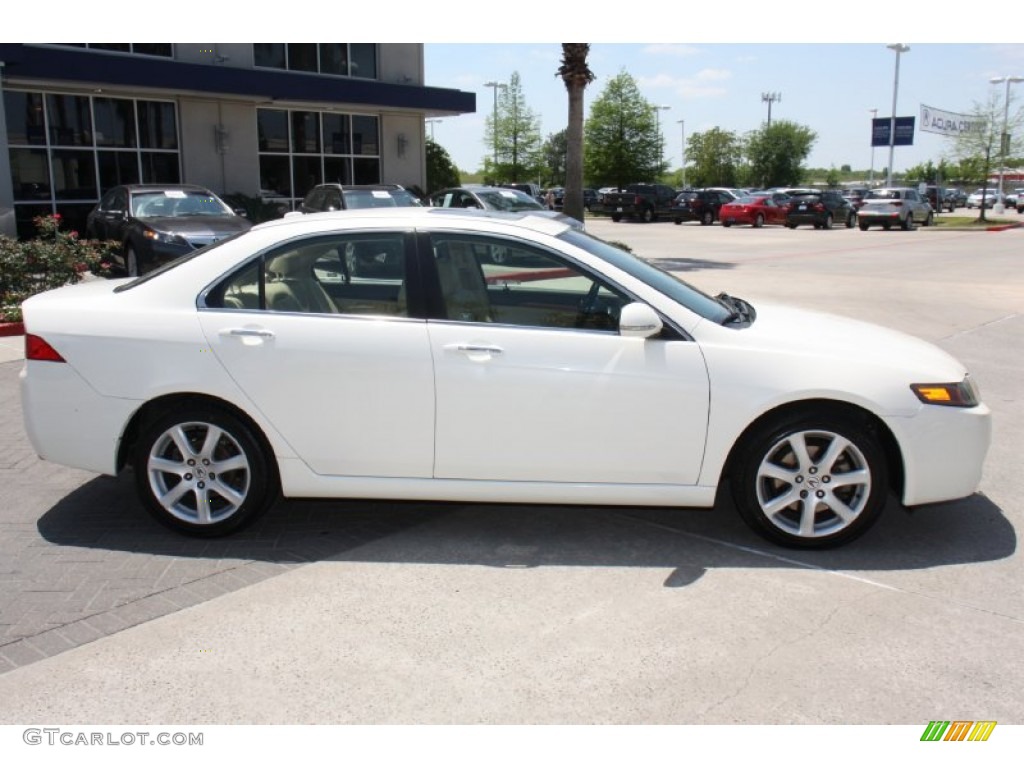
[960, 395]
[163, 237]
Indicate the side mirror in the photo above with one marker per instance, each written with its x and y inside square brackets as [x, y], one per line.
[241, 212]
[639, 321]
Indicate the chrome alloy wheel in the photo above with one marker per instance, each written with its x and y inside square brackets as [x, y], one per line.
[198, 473]
[813, 483]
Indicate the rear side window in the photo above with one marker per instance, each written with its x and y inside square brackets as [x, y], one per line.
[356, 274]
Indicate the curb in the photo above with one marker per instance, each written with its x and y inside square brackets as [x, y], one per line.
[12, 329]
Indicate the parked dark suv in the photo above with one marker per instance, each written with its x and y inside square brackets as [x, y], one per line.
[700, 205]
[821, 209]
[941, 199]
[340, 197]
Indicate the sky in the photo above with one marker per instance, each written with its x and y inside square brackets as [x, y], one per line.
[830, 88]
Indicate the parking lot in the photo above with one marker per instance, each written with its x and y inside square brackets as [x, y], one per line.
[374, 612]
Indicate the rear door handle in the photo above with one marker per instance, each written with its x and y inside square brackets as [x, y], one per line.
[260, 333]
[478, 349]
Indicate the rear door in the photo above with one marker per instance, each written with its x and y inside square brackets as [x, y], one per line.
[319, 335]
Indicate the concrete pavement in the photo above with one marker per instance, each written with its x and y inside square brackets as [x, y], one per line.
[494, 614]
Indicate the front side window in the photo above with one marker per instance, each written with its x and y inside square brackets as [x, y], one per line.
[490, 280]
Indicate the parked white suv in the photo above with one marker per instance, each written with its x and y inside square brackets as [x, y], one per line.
[974, 199]
[895, 205]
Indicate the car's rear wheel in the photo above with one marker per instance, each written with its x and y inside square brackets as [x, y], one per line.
[851, 221]
[930, 219]
[811, 481]
[647, 215]
[203, 471]
[908, 223]
[863, 226]
[616, 217]
[759, 221]
[707, 218]
[728, 224]
[827, 223]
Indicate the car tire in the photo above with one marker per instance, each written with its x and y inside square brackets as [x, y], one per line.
[929, 219]
[791, 226]
[707, 218]
[827, 223]
[678, 221]
[616, 217]
[728, 224]
[863, 226]
[811, 481]
[759, 221]
[647, 215]
[203, 471]
[131, 261]
[887, 226]
[908, 223]
[851, 221]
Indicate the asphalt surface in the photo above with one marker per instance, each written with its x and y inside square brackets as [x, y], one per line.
[366, 613]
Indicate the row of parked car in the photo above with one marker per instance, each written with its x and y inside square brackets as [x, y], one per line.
[157, 223]
[887, 207]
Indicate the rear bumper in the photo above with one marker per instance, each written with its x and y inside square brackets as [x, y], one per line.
[70, 423]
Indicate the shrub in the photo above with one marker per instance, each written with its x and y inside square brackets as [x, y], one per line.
[54, 258]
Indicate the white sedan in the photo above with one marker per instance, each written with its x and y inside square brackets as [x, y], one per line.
[469, 356]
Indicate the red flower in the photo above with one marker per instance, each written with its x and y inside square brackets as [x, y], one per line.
[56, 216]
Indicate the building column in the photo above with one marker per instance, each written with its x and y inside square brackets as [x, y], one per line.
[8, 224]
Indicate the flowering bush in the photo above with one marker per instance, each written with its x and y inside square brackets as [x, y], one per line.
[54, 258]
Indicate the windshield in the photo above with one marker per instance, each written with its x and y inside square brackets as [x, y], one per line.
[379, 198]
[178, 202]
[509, 200]
[651, 274]
[884, 194]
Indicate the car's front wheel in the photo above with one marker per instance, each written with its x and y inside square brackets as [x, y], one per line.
[203, 471]
[707, 218]
[811, 481]
[131, 261]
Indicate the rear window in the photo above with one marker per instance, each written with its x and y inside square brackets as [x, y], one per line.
[884, 194]
[379, 198]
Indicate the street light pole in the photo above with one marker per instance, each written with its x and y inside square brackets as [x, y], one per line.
[871, 174]
[683, 124]
[899, 48]
[495, 85]
[1004, 139]
[657, 121]
[431, 122]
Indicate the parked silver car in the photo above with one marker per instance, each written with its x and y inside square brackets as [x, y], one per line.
[991, 198]
[891, 206]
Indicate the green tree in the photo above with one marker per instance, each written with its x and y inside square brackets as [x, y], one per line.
[999, 128]
[715, 158]
[622, 136]
[777, 153]
[555, 153]
[576, 74]
[441, 169]
[516, 134]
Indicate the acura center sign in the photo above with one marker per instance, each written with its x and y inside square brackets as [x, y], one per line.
[949, 123]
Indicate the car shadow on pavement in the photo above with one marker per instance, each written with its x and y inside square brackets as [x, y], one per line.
[105, 514]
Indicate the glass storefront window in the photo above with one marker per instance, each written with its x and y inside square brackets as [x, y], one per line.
[25, 122]
[70, 120]
[115, 122]
[347, 59]
[306, 132]
[158, 127]
[30, 174]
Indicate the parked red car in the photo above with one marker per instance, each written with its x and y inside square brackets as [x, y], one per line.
[756, 210]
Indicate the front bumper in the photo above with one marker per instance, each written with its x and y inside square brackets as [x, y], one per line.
[944, 451]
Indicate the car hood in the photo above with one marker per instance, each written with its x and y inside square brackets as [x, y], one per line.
[831, 345]
[198, 225]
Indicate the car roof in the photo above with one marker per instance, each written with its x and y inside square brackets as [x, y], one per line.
[413, 216]
[343, 187]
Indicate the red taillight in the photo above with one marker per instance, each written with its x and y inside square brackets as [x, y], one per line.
[638, 200]
[37, 348]
[819, 207]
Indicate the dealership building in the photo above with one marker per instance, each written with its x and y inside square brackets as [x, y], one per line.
[267, 120]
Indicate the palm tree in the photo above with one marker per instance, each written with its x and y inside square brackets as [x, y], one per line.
[576, 75]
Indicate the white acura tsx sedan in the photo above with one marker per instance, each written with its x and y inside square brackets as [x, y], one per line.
[471, 356]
